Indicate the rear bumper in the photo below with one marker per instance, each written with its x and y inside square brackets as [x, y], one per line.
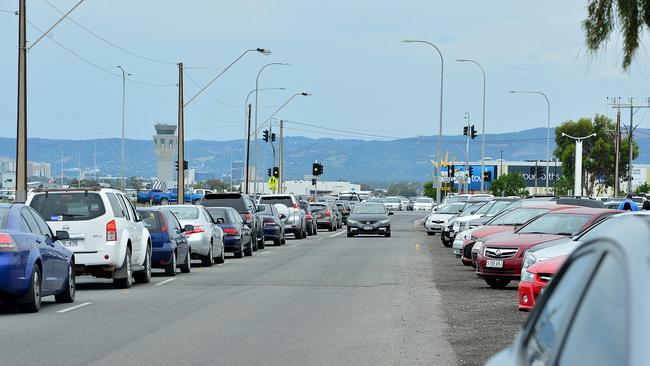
[232, 244]
[111, 257]
[272, 232]
[162, 255]
[200, 243]
[13, 273]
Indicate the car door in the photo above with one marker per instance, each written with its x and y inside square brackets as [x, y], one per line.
[59, 255]
[243, 229]
[37, 239]
[176, 235]
[136, 235]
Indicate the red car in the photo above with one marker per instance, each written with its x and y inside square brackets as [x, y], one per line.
[499, 260]
[504, 223]
[536, 278]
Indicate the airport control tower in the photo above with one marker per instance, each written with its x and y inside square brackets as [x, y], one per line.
[166, 142]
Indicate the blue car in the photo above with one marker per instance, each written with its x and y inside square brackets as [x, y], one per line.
[169, 245]
[274, 227]
[237, 236]
[33, 262]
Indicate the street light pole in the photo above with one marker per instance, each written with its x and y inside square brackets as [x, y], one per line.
[255, 144]
[548, 128]
[577, 187]
[442, 68]
[483, 123]
[124, 74]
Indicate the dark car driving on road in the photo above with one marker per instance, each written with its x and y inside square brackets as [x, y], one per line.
[369, 218]
[246, 208]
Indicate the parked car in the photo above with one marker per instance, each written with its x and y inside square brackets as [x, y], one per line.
[296, 223]
[7, 195]
[534, 279]
[247, 209]
[312, 225]
[170, 247]
[500, 260]
[435, 222]
[464, 226]
[33, 262]
[592, 312]
[423, 204]
[171, 196]
[451, 228]
[392, 203]
[237, 236]
[205, 238]
[369, 218]
[274, 226]
[325, 216]
[105, 231]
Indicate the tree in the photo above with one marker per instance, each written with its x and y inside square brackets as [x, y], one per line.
[598, 157]
[633, 16]
[217, 185]
[405, 189]
[511, 184]
[563, 186]
[430, 191]
[134, 183]
[643, 188]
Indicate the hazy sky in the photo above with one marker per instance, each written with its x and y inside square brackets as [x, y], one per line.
[347, 53]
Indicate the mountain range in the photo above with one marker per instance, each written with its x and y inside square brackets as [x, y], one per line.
[375, 162]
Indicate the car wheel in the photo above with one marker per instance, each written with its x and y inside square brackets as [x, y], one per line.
[144, 276]
[387, 234]
[248, 251]
[170, 268]
[186, 267]
[298, 234]
[331, 227]
[350, 235]
[277, 242]
[69, 292]
[315, 228]
[446, 243]
[30, 302]
[164, 201]
[430, 233]
[260, 243]
[127, 280]
[284, 238]
[207, 260]
[254, 242]
[220, 259]
[496, 282]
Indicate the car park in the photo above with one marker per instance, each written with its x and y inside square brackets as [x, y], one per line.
[423, 204]
[205, 238]
[33, 262]
[105, 232]
[246, 208]
[237, 236]
[500, 260]
[274, 226]
[369, 218]
[296, 223]
[170, 249]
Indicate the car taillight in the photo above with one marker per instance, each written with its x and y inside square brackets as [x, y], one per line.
[7, 243]
[294, 205]
[328, 213]
[248, 216]
[308, 216]
[164, 224]
[111, 231]
[230, 231]
[269, 222]
[197, 229]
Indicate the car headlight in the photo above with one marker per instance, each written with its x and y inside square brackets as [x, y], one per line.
[456, 226]
[529, 260]
[527, 276]
[383, 222]
[354, 222]
[477, 246]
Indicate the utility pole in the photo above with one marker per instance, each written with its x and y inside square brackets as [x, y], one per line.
[467, 175]
[248, 149]
[501, 162]
[124, 73]
[281, 165]
[21, 128]
[180, 176]
[577, 187]
[617, 144]
[536, 176]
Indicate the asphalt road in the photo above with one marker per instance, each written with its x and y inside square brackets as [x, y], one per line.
[325, 300]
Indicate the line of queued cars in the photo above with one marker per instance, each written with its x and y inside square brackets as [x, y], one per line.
[575, 262]
[59, 234]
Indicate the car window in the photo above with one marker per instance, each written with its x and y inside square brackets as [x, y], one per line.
[235, 217]
[285, 200]
[219, 213]
[42, 225]
[127, 214]
[238, 203]
[595, 231]
[150, 220]
[118, 210]
[185, 213]
[517, 216]
[68, 206]
[600, 323]
[4, 215]
[556, 311]
[132, 209]
[564, 224]
[29, 222]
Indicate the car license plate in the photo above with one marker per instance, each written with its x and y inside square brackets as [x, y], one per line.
[70, 243]
[494, 264]
[367, 227]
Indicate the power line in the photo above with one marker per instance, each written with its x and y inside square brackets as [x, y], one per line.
[14, 12]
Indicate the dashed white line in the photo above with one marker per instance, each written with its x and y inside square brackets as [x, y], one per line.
[295, 245]
[164, 282]
[74, 307]
[337, 234]
[264, 252]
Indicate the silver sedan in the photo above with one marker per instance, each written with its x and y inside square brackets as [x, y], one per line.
[206, 239]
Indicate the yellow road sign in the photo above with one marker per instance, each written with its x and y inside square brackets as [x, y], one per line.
[273, 182]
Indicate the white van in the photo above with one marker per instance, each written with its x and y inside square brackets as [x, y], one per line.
[106, 234]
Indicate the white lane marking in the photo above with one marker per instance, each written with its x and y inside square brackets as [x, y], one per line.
[320, 238]
[164, 282]
[337, 234]
[264, 252]
[74, 307]
[295, 245]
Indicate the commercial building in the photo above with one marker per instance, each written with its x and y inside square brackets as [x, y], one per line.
[166, 147]
[305, 187]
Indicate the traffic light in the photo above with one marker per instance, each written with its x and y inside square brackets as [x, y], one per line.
[186, 165]
[451, 171]
[268, 172]
[176, 165]
[471, 171]
[265, 135]
[317, 169]
[273, 136]
[313, 182]
[487, 176]
[465, 130]
[276, 172]
[473, 133]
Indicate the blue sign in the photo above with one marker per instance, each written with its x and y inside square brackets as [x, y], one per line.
[475, 179]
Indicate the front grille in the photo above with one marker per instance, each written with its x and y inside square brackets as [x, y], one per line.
[500, 253]
[437, 221]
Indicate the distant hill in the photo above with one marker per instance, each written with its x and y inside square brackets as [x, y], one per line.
[377, 162]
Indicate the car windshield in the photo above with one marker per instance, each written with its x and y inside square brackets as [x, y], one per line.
[392, 200]
[556, 223]
[185, 213]
[317, 207]
[150, 220]
[497, 207]
[453, 208]
[236, 203]
[484, 209]
[453, 199]
[349, 198]
[265, 209]
[470, 209]
[218, 213]
[516, 217]
[423, 200]
[4, 213]
[69, 206]
[285, 200]
[378, 200]
[368, 209]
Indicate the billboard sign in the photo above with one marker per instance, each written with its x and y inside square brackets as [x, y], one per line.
[528, 172]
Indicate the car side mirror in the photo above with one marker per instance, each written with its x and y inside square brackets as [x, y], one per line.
[220, 220]
[188, 228]
[259, 209]
[391, 213]
[62, 235]
[283, 217]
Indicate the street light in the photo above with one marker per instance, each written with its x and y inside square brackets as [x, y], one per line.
[577, 186]
[257, 88]
[442, 67]
[548, 128]
[483, 123]
[124, 74]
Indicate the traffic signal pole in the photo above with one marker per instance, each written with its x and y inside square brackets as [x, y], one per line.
[281, 163]
[468, 177]
[180, 177]
[21, 123]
